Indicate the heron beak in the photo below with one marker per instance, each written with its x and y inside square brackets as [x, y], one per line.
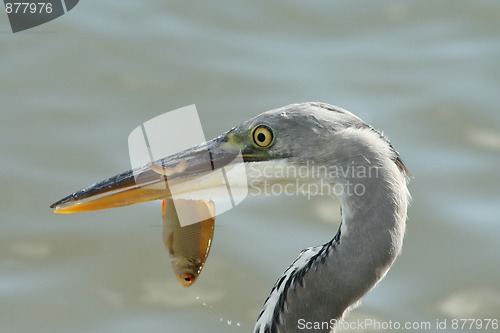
[155, 180]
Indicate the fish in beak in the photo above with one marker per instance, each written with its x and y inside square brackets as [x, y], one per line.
[186, 182]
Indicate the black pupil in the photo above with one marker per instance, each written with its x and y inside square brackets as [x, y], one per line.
[261, 137]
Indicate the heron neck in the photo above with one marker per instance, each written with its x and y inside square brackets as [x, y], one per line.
[370, 236]
[367, 243]
[327, 280]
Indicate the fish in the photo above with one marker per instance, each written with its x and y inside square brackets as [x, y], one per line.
[188, 245]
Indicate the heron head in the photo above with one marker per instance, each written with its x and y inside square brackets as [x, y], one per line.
[270, 144]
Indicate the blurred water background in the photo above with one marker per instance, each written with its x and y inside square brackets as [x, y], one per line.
[425, 72]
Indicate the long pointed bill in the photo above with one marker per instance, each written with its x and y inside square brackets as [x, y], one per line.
[196, 173]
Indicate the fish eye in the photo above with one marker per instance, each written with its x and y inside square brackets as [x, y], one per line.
[262, 136]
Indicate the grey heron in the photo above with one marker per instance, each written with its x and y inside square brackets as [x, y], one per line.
[340, 151]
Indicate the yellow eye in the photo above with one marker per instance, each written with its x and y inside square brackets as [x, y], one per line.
[262, 136]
